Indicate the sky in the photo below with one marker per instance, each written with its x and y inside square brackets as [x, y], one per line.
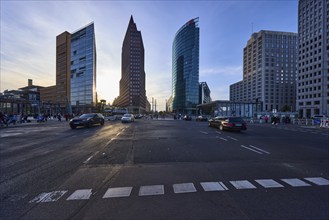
[28, 31]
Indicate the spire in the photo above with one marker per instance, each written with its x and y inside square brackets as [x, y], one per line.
[131, 20]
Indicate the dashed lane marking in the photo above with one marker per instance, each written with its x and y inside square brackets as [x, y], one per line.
[224, 139]
[248, 148]
[232, 138]
[203, 132]
[261, 150]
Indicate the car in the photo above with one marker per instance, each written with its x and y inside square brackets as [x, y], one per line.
[201, 118]
[87, 120]
[127, 118]
[228, 123]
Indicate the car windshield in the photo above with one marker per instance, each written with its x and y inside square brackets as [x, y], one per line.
[87, 116]
[127, 115]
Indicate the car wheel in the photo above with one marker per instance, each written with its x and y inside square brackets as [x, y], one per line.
[221, 127]
[102, 122]
[72, 126]
[88, 125]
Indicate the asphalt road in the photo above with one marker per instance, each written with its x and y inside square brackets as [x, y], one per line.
[163, 169]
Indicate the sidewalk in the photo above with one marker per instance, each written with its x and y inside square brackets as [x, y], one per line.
[33, 122]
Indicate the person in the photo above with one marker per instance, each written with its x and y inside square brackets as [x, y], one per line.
[59, 117]
[266, 119]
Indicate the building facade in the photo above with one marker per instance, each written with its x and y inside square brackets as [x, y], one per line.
[132, 94]
[185, 68]
[76, 70]
[313, 51]
[269, 71]
[204, 93]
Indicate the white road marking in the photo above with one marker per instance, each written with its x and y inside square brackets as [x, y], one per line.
[242, 184]
[118, 192]
[251, 149]
[212, 186]
[234, 139]
[151, 190]
[118, 133]
[295, 182]
[184, 188]
[9, 135]
[264, 151]
[218, 132]
[203, 132]
[223, 185]
[48, 197]
[224, 139]
[320, 181]
[269, 183]
[80, 194]
[89, 158]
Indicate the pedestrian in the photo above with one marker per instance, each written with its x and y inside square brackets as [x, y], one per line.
[266, 119]
[59, 117]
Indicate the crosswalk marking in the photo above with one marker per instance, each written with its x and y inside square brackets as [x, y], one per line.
[242, 184]
[269, 183]
[184, 188]
[151, 190]
[117, 192]
[320, 181]
[295, 182]
[212, 186]
[48, 197]
[80, 194]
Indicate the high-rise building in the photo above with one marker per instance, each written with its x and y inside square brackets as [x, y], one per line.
[269, 71]
[132, 84]
[185, 68]
[313, 50]
[204, 93]
[76, 69]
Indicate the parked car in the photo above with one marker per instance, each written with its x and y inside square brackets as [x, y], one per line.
[201, 118]
[127, 118]
[228, 123]
[87, 120]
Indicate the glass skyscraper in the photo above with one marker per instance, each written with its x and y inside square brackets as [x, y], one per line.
[185, 68]
[83, 67]
[76, 70]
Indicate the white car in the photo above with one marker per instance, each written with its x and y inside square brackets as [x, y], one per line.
[127, 118]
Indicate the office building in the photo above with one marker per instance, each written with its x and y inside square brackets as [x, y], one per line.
[185, 68]
[269, 71]
[132, 94]
[204, 93]
[313, 52]
[76, 70]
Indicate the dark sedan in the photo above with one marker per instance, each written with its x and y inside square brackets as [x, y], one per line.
[87, 120]
[228, 123]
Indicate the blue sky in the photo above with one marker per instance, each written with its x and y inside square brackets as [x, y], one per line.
[29, 30]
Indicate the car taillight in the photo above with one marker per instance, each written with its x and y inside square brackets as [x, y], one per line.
[229, 124]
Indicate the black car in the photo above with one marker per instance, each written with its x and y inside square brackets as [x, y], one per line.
[87, 120]
[228, 123]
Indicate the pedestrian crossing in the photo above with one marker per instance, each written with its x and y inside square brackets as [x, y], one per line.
[181, 188]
